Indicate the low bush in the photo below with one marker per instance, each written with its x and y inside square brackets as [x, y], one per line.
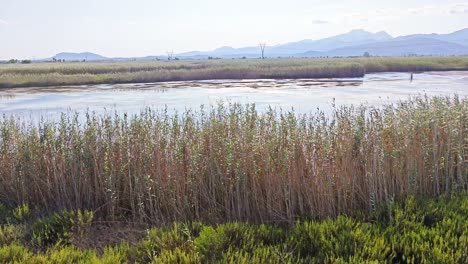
[59, 227]
[417, 231]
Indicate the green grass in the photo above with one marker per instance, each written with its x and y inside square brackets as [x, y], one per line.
[233, 163]
[408, 231]
[53, 74]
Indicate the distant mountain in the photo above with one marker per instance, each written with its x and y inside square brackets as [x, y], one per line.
[147, 58]
[459, 37]
[88, 56]
[359, 35]
[353, 43]
[354, 37]
[311, 54]
[404, 47]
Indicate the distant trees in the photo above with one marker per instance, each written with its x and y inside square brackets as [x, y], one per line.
[366, 54]
[14, 61]
[262, 48]
[61, 60]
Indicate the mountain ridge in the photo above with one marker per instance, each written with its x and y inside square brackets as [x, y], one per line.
[352, 43]
[89, 56]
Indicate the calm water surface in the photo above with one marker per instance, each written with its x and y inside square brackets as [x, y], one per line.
[304, 95]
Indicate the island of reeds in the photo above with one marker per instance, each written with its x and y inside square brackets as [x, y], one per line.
[231, 184]
[86, 73]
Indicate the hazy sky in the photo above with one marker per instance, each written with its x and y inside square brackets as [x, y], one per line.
[42, 28]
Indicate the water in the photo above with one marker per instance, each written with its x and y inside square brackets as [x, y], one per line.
[304, 95]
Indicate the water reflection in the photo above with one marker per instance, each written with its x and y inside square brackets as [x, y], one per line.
[304, 95]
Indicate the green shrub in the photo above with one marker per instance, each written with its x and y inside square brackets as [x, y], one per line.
[21, 212]
[416, 231]
[10, 234]
[17, 215]
[4, 214]
[71, 255]
[160, 240]
[429, 232]
[59, 227]
[14, 253]
[281, 253]
[211, 243]
[177, 256]
[117, 254]
[338, 239]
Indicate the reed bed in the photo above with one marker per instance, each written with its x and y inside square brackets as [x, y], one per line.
[234, 163]
[80, 73]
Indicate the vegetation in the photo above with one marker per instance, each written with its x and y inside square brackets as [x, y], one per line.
[233, 163]
[413, 231]
[234, 185]
[51, 74]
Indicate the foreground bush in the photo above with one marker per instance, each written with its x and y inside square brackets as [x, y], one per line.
[415, 231]
[234, 163]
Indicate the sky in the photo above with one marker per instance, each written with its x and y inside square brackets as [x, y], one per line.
[32, 29]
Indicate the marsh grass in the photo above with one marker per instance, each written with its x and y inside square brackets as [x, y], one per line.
[54, 74]
[233, 163]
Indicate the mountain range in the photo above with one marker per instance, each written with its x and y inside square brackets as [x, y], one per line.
[354, 43]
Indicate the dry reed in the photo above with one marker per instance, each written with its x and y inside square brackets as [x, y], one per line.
[53, 74]
[232, 162]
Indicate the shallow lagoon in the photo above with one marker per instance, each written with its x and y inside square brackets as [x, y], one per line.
[304, 95]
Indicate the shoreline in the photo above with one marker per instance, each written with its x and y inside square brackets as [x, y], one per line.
[319, 79]
[75, 74]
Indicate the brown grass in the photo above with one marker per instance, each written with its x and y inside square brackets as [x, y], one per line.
[55, 74]
[234, 163]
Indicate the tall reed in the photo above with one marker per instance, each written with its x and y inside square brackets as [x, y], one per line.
[232, 162]
[53, 74]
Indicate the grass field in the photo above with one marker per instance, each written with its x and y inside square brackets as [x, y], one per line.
[410, 231]
[52, 74]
